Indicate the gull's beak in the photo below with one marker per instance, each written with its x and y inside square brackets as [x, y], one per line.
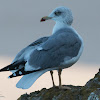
[45, 18]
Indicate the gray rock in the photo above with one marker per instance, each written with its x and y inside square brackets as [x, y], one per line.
[91, 91]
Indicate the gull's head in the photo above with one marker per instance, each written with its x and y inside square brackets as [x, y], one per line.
[60, 14]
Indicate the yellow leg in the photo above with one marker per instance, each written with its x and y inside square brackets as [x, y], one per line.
[51, 72]
[60, 85]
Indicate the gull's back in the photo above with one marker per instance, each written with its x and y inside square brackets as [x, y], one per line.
[63, 43]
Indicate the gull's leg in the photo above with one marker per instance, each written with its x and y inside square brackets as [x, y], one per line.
[59, 74]
[60, 86]
[51, 72]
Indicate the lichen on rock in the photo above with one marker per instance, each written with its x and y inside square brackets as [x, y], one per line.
[91, 91]
[93, 96]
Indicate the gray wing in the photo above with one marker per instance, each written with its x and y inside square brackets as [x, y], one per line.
[21, 58]
[64, 43]
[39, 41]
[22, 53]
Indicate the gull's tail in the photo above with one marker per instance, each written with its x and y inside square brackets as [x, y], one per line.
[27, 80]
[29, 76]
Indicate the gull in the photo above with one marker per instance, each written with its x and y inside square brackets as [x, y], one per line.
[60, 50]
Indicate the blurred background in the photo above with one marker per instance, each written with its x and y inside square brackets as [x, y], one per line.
[20, 25]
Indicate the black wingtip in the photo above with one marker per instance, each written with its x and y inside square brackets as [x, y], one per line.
[20, 72]
[7, 68]
[12, 66]
[17, 73]
[14, 75]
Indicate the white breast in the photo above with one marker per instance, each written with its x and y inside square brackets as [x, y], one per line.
[58, 26]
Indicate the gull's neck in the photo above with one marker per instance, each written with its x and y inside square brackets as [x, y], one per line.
[59, 25]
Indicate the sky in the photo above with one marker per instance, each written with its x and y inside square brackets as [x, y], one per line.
[20, 25]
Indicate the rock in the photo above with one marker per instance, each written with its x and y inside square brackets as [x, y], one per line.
[91, 91]
[93, 96]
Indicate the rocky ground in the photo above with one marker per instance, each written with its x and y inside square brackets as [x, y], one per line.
[91, 91]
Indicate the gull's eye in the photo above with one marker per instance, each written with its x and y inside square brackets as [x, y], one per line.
[57, 13]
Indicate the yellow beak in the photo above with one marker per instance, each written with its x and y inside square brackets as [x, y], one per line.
[45, 18]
